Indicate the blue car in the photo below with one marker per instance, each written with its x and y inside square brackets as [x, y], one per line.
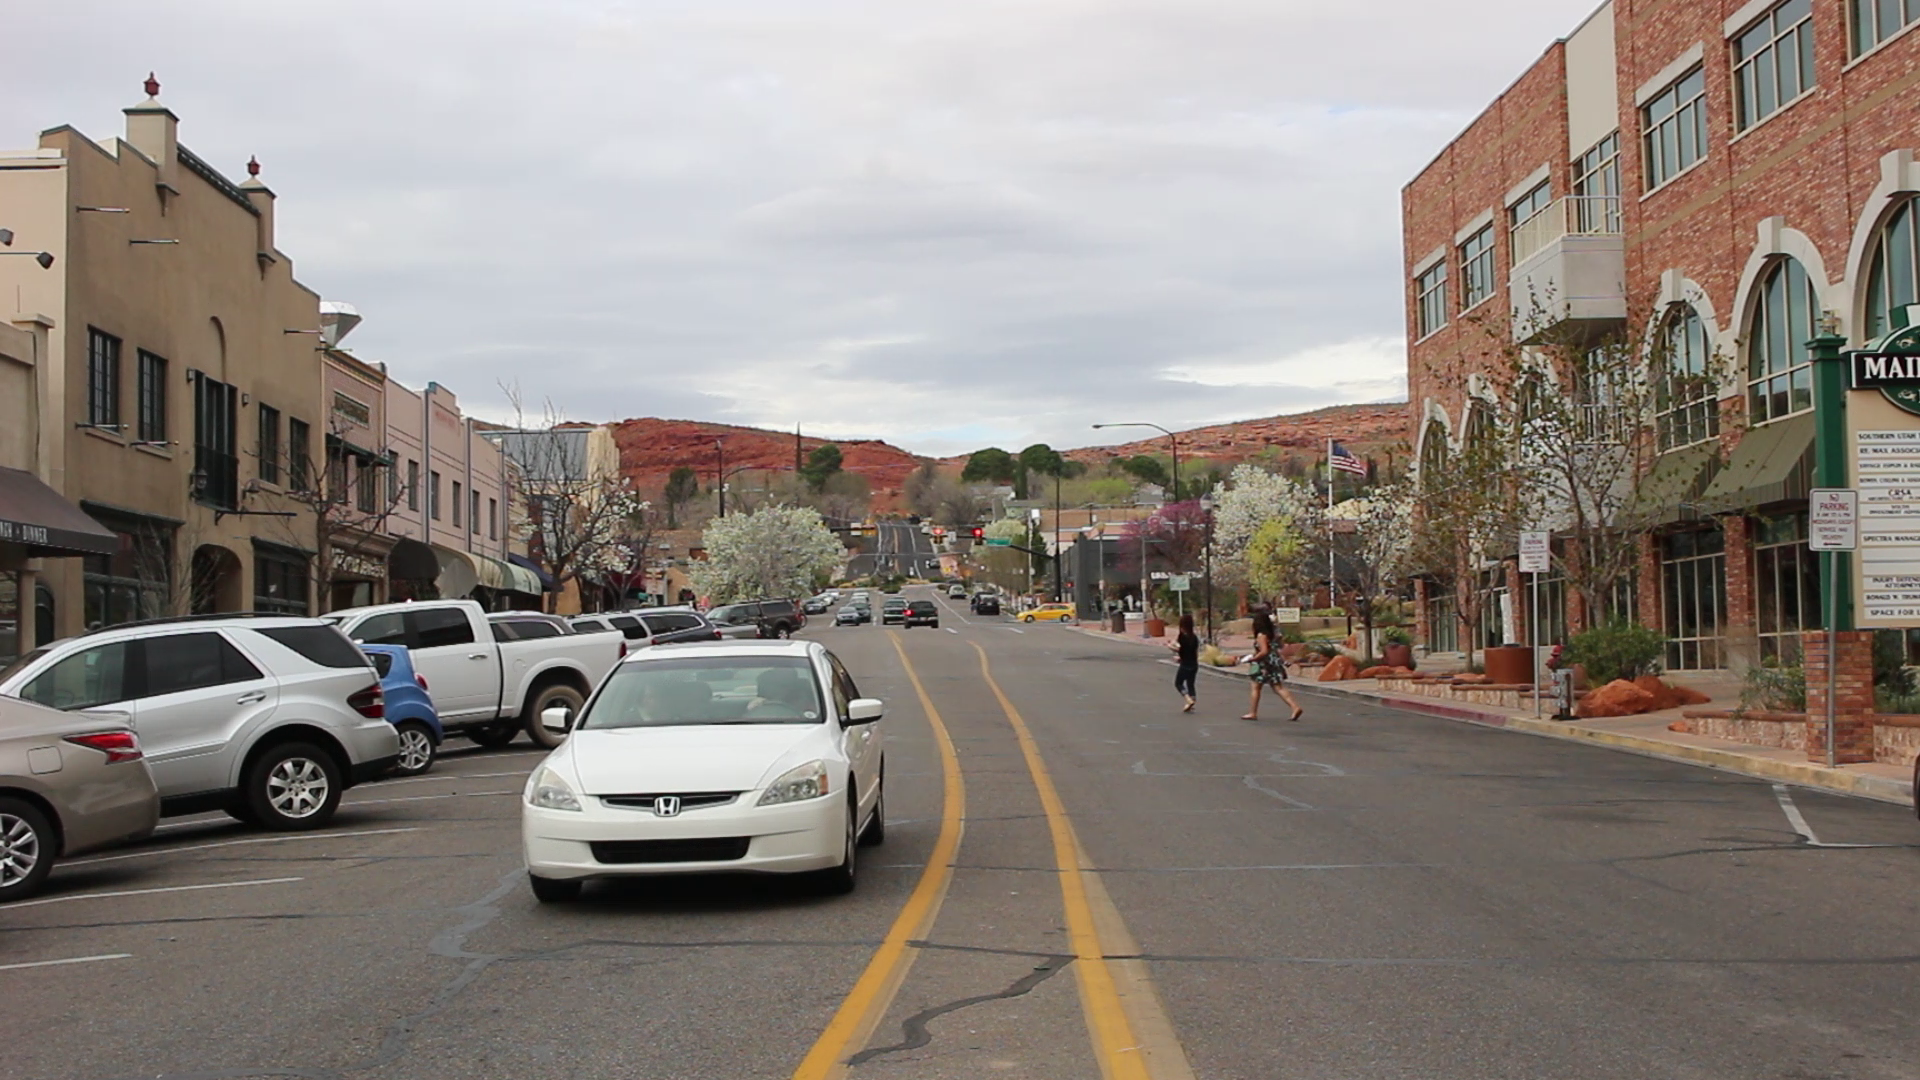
[409, 708]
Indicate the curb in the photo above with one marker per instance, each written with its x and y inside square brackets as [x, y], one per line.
[1800, 774]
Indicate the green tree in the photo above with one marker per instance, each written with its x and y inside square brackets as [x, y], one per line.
[1144, 467]
[683, 485]
[821, 464]
[1276, 558]
[992, 465]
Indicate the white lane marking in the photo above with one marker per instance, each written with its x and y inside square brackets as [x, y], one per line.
[951, 630]
[1799, 822]
[68, 960]
[234, 843]
[1016, 630]
[426, 798]
[150, 892]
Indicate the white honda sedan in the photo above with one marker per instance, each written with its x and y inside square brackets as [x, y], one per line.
[733, 756]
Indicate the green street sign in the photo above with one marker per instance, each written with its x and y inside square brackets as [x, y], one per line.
[999, 541]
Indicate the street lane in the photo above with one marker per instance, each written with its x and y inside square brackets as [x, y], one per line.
[1362, 894]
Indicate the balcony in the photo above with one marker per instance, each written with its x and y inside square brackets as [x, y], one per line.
[1569, 269]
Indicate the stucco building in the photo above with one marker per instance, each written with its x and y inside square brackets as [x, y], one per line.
[1721, 178]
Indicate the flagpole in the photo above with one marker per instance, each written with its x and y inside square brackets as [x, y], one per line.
[1333, 587]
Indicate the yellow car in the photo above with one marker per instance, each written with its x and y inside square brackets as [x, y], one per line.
[1049, 613]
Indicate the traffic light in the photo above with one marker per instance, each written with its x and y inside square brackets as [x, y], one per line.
[979, 533]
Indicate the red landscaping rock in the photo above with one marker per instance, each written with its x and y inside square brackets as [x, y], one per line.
[1617, 698]
[1340, 669]
[1668, 696]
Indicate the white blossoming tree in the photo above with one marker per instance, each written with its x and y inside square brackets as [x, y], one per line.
[776, 551]
[1250, 498]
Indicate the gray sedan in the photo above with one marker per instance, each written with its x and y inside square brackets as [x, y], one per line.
[69, 782]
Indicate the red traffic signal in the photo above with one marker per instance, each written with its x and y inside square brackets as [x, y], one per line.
[979, 533]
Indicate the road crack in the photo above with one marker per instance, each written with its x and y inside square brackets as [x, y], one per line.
[914, 1028]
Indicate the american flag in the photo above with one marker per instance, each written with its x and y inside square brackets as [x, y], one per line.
[1341, 458]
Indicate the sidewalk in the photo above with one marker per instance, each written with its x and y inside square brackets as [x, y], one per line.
[1646, 734]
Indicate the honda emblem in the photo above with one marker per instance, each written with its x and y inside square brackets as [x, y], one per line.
[666, 806]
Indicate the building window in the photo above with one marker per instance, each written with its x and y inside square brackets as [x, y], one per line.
[1893, 268]
[336, 471]
[1693, 573]
[1674, 127]
[103, 380]
[1496, 610]
[1433, 450]
[433, 494]
[1431, 289]
[279, 581]
[456, 504]
[299, 451]
[216, 458]
[473, 512]
[1778, 366]
[1443, 619]
[269, 449]
[1772, 62]
[493, 519]
[1786, 580]
[1523, 231]
[366, 486]
[1686, 397]
[1596, 187]
[136, 581]
[153, 397]
[1874, 21]
[413, 485]
[1476, 268]
[1600, 397]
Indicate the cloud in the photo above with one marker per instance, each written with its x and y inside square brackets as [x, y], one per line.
[935, 223]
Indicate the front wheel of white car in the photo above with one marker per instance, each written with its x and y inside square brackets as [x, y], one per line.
[876, 832]
[841, 879]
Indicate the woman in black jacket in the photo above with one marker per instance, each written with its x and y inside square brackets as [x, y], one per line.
[1187, 647]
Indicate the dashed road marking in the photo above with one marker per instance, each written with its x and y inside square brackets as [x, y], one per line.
[279, 839]
[68, 960]
[149, 892]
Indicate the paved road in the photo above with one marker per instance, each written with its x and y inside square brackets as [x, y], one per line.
[1363, 894]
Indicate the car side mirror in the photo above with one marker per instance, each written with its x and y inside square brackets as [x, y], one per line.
[555, 719]
[865, 710]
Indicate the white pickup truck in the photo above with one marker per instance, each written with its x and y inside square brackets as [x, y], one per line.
[483, 687]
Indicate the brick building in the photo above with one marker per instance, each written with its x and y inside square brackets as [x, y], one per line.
[1721, 177]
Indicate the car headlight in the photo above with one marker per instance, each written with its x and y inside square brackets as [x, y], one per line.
[549, 792]
[797, 784]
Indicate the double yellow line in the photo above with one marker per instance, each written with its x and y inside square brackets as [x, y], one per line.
[1116, 996]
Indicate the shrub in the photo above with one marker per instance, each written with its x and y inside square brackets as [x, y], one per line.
[1617, 651]
[1775, 688]
[1290, 634]
[1890, 671]
[1396, 635]
[1326, 647]
[1215, 656]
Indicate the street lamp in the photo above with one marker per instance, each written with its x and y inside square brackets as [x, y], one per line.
[1172, 441]
[720, 473]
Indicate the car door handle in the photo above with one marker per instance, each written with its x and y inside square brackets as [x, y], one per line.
[476, 656]
[253, 698]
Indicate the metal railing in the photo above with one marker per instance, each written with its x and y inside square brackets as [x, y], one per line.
[1573, 215]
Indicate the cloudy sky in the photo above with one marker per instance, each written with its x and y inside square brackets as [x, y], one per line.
[943, 224]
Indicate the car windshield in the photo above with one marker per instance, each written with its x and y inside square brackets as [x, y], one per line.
[693, 690]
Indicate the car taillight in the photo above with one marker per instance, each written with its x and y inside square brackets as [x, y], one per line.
[370, 703]
[717, 636]
[117, 745]
[623, 648]
[422, 680]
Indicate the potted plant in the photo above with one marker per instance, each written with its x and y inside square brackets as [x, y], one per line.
[1396, 647]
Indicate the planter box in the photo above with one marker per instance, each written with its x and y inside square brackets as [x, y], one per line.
[1782, 730]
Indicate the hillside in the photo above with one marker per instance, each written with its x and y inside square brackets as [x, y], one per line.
[1368, 430]
[651, 448]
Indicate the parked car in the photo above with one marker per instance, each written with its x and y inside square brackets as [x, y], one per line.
[956, 592]
[852, 615]
[409, 708]
[921, 613]
[1050, 613]
[267, 717]
[986, 604]
[732, 756]
[484, 688]
[70, 782]
[893, 610]
[766, 618]
[527, 625]
[654, 626]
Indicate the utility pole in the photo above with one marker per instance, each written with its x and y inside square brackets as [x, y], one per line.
[720, 483]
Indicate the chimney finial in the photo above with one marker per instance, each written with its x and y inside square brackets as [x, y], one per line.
[152, 86]
[253, 166]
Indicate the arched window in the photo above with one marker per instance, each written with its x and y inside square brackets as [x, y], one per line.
[1779, 369]
[1686, 403]
[1893, 268]
[1433, 450]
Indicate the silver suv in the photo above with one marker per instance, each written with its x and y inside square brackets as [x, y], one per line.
[267, 717]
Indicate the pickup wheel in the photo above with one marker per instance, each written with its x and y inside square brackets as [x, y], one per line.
[492, 736]
[551, 696]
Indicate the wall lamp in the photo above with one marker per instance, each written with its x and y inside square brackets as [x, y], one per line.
[153, 241]
[101, 210]
[44, 258]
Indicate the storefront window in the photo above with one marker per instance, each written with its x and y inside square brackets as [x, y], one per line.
[1694, 592]
[280, 584]
[1493, 608]
[136, 581]
[1786, 580]
[12, 617]
[1443, 620]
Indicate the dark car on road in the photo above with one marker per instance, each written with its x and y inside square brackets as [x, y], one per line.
[893, 610]
[853, 615]
[769, 618]
[921, 613]
[986, 604]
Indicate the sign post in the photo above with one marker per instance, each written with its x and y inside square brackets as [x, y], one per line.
[1833, 524]
[1536, 556]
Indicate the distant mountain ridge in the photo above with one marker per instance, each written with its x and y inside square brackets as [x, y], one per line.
[1367, 430]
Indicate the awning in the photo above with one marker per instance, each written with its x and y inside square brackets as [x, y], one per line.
[504, 576]
[412, 560]
[33, 514]
[1773, 463]
[457, 576]
[540, 577]
[1672, 488]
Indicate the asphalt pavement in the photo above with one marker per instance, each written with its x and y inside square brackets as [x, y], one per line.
[1364, 894]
